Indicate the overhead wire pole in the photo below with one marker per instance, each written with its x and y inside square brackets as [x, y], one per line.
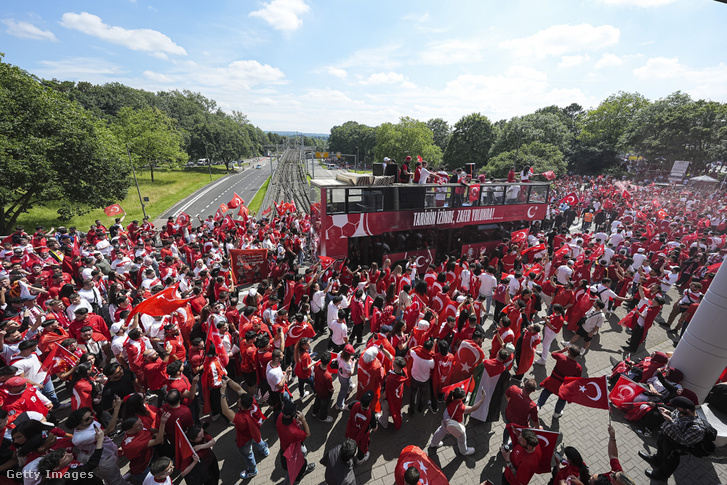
[141, 200]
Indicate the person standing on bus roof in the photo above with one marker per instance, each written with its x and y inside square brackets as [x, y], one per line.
[511, 175]
[404, 174]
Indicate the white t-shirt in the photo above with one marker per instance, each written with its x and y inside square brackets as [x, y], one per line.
[339, 331]
[488, 283]
[421, 369]
[563, 274]
[30, 368]
[275, 376]
[345, 368]
[150, 480]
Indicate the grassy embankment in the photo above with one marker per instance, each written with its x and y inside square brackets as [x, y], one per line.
[169, 187]
[257, 201]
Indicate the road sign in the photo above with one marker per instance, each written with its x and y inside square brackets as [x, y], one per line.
[338, 155]
[321, 154]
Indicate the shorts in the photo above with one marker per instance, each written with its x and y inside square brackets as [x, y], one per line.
[583, 334]
[250, 378]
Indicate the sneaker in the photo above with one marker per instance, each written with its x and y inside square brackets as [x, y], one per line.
[583, 351]
[309, 468]
[365, 457]
[338, 408]
[432, 408]
[384, 424]
[436, 445]
[265, 452]
[329, 419]
[564, 343]
[557, 415]
[305, 395]
[246, 474]
[646, 433]
[539, 362]
[468, 451]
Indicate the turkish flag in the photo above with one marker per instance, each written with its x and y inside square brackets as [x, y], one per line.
[624, 391]
[650, 229]
[550, 175]
[183, 219]
[712, 268]
[59, 359]
[419, 158]
[533, 250]
[562, 251]
[113, 210]
[474, 192]
[640, 215]
[227, 223]
[607, 204]
[235, 202]
[163, 303]
[224, 208]
[297, 331]
[368, 302]
[214, 337]
[469, 355]
[548, 440]
[597, 252]
[219, 215]
[591, 392]
[625, 194]
[334, 358]
[183, 450]
[519, 236]
[429, 472]
[326, 262]
[295, 460]
[661, 214]
[570, 199]
[468, 385]
[243, 212]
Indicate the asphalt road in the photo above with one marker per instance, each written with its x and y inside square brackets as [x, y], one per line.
[205, 201]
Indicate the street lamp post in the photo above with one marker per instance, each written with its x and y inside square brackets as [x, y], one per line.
[356, 158]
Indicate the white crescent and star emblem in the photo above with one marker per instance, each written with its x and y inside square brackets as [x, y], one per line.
[532, 208]
[598, 391]
[544, 439]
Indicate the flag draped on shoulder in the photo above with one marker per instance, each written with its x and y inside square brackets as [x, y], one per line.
[429, 472]
[548, 440]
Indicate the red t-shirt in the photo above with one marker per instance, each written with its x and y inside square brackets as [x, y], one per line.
[323, 382]
[136, 450]
[155, 374]
[455, 409]
[301, 368]
[181, 384]
[525, 464]
[289, 434]
[246, 428]
[520, 407]
[182, 414]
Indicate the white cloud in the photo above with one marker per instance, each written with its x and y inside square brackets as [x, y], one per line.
[424, 23]
[158, 77]
[146, 40]
[283, 14]
[336, 72]
[558, 40]
[85, 68]
[374, 58]
[452, 51]
[26, 30]
[701, 83]
[638, 3]
[572, 61]
[608, 60]
[385, 78]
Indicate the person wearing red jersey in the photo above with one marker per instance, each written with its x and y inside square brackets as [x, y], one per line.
[452, 420]
[504, 335]
[323, 383]
[361, 421]
[553, 325]
[527, 344]
[443, 362]
[393, 396]
[565, 366]
[247, 421]
[292, 429]
[138, 445]
[371, 374]
[522, 462]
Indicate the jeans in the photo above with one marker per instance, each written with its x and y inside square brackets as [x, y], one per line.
[248, 455]
[559, 405]
[419, 394]
[488, 303]
[343, 393]
[303, 382]
[320, 408]
[49, 391]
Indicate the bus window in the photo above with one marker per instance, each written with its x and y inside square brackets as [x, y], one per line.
[516, 194]
[365, 200]
[538, 194]
[336, 203]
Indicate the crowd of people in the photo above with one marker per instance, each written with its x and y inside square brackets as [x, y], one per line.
[69, 303]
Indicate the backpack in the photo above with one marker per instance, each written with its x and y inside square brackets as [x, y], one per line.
[717, 398]
[706, 446]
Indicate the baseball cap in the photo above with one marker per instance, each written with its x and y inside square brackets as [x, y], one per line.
[366, 399]
[349, 349]
[15, 381]
[386, 159]
[116, 327]
[289, 408]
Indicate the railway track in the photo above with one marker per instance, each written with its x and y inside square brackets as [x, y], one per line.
[289, 182]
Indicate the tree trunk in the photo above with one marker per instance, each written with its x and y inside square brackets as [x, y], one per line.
[151, 169]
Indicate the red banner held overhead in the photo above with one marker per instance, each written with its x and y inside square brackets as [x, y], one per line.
[235, 202]
[577, 390]
[249, 265]
[424, 257]
[183, 219]
[550, 175]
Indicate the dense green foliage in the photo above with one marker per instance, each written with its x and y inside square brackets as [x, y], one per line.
[409, 137]
[470, 142]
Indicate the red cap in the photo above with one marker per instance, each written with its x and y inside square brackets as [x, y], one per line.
[15, 381]
[349, 349]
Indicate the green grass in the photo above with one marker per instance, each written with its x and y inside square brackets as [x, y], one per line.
[169, 187]
[257, 201]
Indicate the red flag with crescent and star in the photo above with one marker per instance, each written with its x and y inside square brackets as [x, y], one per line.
[183, 450]
[570, 199]
[550, 175]
[591, 392]
[297, 331]
[163, 303]
[548, 440]
[235, 202]
[429, 472]
[214, 337]
[469, 355]
[468, 385]
[624, 391]
[113, 210]
[474, 192]
[519, 236]
[59, 359]
[183, 219]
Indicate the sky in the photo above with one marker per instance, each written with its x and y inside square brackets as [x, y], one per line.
[308, 65]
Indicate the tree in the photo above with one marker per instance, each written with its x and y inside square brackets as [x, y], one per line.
[542, 157]
[51, 149]
[546, 126]
[441, 132]
[151, 136]
[471, 141]
[408, 137]
[353, 137]
[677, 128]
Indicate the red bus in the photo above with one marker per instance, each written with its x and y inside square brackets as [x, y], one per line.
[372, 223]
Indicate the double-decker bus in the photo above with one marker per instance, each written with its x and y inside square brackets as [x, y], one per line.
[371, 223]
